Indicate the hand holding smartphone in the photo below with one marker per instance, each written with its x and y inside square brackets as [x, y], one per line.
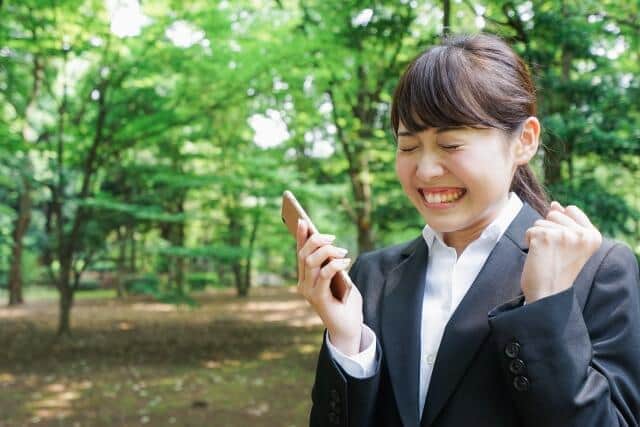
[291, 212]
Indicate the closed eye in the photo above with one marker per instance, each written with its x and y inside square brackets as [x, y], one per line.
[450, 147]
[407, 150]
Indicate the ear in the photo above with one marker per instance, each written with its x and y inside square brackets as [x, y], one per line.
[526, 142]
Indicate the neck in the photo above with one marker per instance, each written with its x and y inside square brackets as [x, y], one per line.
[460, 239]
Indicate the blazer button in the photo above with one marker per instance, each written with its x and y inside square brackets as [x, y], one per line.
[333, 418]
[516, 366]
[334, 394]
[521, 383]
[512, 349]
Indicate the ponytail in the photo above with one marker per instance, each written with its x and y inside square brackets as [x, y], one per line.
[528, 188]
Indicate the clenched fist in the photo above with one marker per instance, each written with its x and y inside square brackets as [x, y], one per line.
[559, 246]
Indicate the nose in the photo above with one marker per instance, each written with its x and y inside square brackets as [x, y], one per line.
[429, 167]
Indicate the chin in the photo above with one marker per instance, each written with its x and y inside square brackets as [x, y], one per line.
[446, 224]
[445, 228]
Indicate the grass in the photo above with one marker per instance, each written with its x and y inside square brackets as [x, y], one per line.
[227, 362]
[49, 293]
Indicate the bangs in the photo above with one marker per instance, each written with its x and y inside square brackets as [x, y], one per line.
[442, 88]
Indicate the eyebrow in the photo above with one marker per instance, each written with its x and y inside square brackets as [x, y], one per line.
[438, 130]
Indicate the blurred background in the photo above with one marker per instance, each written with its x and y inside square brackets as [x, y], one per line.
[145, 271]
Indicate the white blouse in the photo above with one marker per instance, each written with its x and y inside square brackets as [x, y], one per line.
[448, 279]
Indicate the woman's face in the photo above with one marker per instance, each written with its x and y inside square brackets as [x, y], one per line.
[471, 168]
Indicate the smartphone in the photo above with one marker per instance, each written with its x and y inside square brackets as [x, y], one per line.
[291, 211]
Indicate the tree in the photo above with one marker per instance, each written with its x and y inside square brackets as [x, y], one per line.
[583, 61]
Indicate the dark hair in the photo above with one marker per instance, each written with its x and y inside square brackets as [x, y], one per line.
[474, 81]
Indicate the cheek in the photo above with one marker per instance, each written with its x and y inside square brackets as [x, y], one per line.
[404, 169]
[482, 181]
[464, 169]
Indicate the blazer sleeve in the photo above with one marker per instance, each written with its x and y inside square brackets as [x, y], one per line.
[570, 367]
[338, 398]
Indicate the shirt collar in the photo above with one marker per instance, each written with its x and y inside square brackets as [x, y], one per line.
[493, 231]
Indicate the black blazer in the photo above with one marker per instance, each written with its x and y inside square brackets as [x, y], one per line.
[571, 359]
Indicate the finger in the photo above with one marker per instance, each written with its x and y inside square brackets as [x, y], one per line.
[535, 235]
[314, 242]
[578, 216]
[327, 272]
[588, 233]
[563, 219]
[547, 223]
[319, 257]
[311, 244]
[531, 233]
[557, 206]
[306, 287]
[314, 274]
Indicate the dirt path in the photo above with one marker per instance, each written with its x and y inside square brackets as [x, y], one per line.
[228, 362]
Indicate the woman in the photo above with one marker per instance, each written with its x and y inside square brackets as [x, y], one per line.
[505, 311]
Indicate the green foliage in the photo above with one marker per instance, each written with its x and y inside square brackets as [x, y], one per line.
[144, 144]
[174, 296]
[147, 284]
[88, 285]
[151, 285]
[199, 281]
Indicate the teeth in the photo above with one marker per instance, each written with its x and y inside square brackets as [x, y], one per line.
[443, 198]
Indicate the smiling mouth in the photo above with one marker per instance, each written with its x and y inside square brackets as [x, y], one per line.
[442, 197]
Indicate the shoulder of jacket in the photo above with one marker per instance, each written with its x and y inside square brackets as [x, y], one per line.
[612, 254]
[608, 246]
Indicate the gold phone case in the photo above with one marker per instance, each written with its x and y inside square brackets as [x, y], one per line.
[291, 211]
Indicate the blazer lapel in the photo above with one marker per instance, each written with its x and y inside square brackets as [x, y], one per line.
[401, 314]
[498, 281]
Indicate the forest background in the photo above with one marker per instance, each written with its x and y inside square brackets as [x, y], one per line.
[145, 146]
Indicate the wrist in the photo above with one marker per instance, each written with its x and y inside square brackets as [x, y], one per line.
[347, 344]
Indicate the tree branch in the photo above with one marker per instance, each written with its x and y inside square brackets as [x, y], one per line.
[340, 130]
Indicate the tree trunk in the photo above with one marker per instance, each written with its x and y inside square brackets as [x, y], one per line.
[357, 154]
[361, 183]
[241, 288]
[66, 302]
[121, 269]
[21, 225]
[446, 17]
[179, 274]
[66, 295]
[133, 249]
[24, 204]
[67, 243]
[221, 272]
[233, 238]
[179, 261]
[254, 234]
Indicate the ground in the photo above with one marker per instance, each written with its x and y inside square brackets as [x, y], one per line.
[227, 362]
